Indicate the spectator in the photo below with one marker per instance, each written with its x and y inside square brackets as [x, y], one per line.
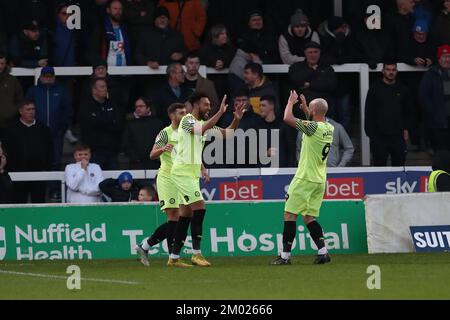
[434, 96]
[258, 85]
[29, 48]
[421, 50]
[64, 41]
[388, 107]
[139, 16]
[147, 194]
[140, 135]
[170, 92]
[162, 45]
[341, 151]
[339, 47]
[313, 77]
[291, 43]
[37, 10]
[93, 14]
[423, 11]
[101, 125]
[10, 94]
[259, 41]
[271, 124]
[189, 18]
[110, 40]
[6, 186]
[372, 42]
[82, 177]
[399, 26]
[29, 146]
[250, 120]
[54, 109]
[217, 53]
[196, 83]
[124, 189]
[441, 27]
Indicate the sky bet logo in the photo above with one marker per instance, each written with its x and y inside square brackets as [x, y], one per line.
[2, 243]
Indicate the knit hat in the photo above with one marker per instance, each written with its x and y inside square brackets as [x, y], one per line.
[48, 71]
[311, 44]
[161, 11]
[299, 18]
[335, 22]
[420, 25]
[125, 177]
[444, 49]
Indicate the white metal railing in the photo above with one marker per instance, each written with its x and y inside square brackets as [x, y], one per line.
[362, 69]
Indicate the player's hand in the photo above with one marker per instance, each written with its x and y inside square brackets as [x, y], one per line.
[223, 105]
[239, 111]
[153, 65]
[304, 105]
[168, 148]
[293, 97]
[206, 176]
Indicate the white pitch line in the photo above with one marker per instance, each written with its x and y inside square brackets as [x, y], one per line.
[38, 275]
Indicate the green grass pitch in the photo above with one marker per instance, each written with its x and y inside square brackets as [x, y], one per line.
[403, 276]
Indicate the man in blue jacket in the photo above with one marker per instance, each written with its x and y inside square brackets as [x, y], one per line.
[434, 96]
[54, 109]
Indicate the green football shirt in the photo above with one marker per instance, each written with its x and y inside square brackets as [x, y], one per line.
[188, 159]
[317, 140]
[167, 136]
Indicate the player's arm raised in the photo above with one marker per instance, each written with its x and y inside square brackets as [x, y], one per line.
[201, 128]
[288, 114]
[238, 114]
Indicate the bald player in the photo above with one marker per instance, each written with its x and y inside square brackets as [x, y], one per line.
[307, 188]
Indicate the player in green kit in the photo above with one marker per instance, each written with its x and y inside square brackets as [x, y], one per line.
[186, 169]
[307, 188]
[164, 149]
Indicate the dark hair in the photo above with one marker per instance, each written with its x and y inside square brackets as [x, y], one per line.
[242, 92]
[192, 55]
[174, 107]
[24, 103]
[196, 97]
[389, 63]
[3, 55]
[110, 2]
[269, 98]
[255, 68]
[146, 100]
[81, 146]
[95, 80]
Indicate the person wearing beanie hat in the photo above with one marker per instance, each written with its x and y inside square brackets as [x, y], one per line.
[122, 189]
[291, 43]
[421, 51]
[434, 97]
[441, 25]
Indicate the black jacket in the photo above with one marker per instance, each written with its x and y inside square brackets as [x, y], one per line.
[210, 53]
[101, 125]
[262, 43]
[139, 138]
[164, 97]
[26, 53]
[399, 29]
[111, 188]
[158, 45]
[29, 148]
[388, 109]
[322, 80]
[6, 188]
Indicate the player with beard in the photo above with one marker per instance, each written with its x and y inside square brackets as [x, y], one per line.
[186, 170]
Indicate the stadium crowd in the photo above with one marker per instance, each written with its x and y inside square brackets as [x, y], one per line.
[103, 110]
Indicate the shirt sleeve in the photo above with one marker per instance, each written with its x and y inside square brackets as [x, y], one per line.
[162, 139]
[307, 127]
[188, 123]
[214, 131]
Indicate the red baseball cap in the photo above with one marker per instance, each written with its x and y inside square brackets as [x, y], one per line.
[444, 49]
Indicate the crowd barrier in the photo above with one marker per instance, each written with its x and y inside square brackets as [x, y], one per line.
[362, 69]
[272, 184]
[111, 231]
[389, 218]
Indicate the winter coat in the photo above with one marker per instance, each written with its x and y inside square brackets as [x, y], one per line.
[53, 106]
[211, 53]
[432, 99]
[291, 47]
[10, 94]
[111, 188]
[260, 42]
[189, 18]
[441, 28]
[158, 45]
[26, 53]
